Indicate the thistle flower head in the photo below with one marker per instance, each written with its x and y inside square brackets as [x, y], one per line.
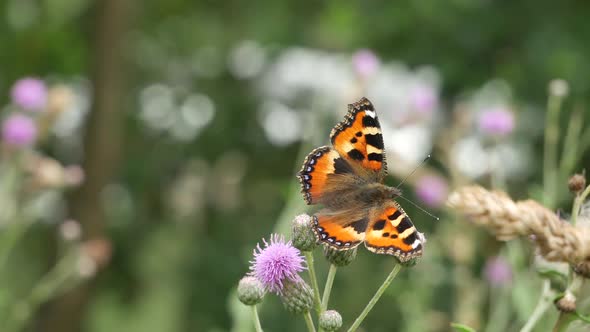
[29, 93]
[432, 190]
[424, 98]
[496, 121]
[498, 271]
[276, 263]
[19, 130]
[365, 63]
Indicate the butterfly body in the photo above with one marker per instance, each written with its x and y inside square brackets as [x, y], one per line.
[347, 180]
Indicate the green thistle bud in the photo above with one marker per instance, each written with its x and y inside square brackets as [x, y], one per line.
[250, 290]
[297, 296]
[330, 320]
[303, 237]
[339, 257]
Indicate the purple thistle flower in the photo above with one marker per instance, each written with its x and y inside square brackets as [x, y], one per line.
[19, 130]
[432, 190]
[496, 121]
[277, 263]
[498, 271]
[424, 99]
[365, 63]
[29, 93]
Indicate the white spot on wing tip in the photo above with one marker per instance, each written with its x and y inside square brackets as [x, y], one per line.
[370, 113]
[415, 244]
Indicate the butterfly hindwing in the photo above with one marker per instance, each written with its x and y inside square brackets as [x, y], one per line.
[340, 231]
[390, 231]
[320, 167]
[359, 140]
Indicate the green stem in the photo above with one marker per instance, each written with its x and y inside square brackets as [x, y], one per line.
[12, 210]
[13, 235]
[550, 153]
[328, 287]
[578, 201]
[49, 285]
[256, 319]
[314, 281]
[563, 322]
[584, 142]
[543, 304]
[571, 142]
[498, 180]
[499, 310]
[375, 298]
[309, 322]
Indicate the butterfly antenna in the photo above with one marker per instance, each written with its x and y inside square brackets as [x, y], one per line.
[413, 171]
[419, 207]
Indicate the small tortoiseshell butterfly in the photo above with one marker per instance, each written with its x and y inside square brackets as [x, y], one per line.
[347, 179]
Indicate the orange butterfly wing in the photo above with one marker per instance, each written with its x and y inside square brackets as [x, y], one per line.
[358, 152]
[358, 138]
[391, 232]
[338, 231]
[320, 166]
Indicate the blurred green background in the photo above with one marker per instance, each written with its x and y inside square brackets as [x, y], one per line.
[190, 120]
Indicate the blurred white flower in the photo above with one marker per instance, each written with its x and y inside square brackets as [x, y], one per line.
[559, 87]
[281, 124]
[474, 160]
[188, 193]
[247, 59]
[470, 157]
[70, 230]
[411, 143]
[403, 97]
[157, 106]
[300, 70]
[165, 110]
[75, 99]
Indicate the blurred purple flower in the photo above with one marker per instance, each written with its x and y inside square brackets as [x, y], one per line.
[496, 121]
[29, 93]
[432, 190]
[424, 99]
[19, 130]
[498, 271]
[276, 263]
[365, 63]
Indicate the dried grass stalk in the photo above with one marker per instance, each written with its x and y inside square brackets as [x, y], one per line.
[557, 240]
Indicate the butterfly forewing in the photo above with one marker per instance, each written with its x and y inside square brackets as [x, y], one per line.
[358, 139]
[322, 167]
